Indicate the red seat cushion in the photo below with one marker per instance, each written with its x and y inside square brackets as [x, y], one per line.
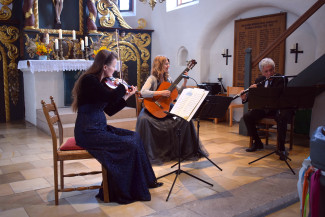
[70, 144]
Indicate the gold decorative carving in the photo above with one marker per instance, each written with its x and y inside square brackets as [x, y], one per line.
[56, 31]
[133, 47]
[92, 17]
[107, 7]
[9, 35]
[102, 7]
[142, 23]
[29, 13]
[105, 22]
[5, 13]
[6, 2]
[30, 45]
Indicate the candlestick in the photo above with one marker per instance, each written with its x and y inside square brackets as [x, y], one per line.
[60, 33]
[74, 50]
[86, 41]
[73, 35]
[56, 44]
[86, 53]
[61, 57]
[47, 38]
[82, 45]
[56, 56]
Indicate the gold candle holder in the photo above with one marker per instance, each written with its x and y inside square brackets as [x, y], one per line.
[74, 51]
[61, 57]
[86, 53]
[56, 54]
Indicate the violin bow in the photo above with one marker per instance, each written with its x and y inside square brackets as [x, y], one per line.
[119, 53]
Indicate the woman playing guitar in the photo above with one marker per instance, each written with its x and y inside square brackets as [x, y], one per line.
[158, 133]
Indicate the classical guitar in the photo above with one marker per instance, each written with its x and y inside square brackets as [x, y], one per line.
[159, 104]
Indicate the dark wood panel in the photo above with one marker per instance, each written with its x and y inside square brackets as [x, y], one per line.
[258, 33]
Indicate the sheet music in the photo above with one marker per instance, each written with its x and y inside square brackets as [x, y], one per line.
[189, 102]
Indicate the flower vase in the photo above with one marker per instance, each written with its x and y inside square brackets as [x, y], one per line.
[43, 57]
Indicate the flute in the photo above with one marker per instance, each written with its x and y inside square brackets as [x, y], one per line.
[245, 91]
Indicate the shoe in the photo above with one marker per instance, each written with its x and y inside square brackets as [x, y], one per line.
[255, 146]
[156, 185]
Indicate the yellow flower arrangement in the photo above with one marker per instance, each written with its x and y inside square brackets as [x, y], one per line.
[42, 49]
[101, 48]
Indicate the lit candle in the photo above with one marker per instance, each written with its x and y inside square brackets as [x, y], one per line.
[73, 35]
[60, 33]
[86, 41]
[82, 45]
[56, 44]
[47, 38]
[220, 75]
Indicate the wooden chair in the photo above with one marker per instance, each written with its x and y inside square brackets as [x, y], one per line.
[138, 102]
[68, 150]
[230, 92]
[267, 124]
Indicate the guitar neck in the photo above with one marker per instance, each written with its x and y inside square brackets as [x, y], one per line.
[178, 79]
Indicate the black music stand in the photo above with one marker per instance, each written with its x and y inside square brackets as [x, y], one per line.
[281, 98]
[212, 107]
[178, 171]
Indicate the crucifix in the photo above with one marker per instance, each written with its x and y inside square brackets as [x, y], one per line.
[225, 54]
[296, 51]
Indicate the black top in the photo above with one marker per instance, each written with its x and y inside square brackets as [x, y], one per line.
[92, 91]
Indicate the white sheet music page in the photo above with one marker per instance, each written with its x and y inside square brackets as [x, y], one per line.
[189, 102]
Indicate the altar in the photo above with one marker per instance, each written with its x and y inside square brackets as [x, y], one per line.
[44, 78]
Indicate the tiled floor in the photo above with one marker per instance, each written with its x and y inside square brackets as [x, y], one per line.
[240, 189]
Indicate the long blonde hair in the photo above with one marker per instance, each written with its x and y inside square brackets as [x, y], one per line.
[157, 68]
[104, 57]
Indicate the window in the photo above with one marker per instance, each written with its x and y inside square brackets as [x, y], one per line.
[125, 5]
[182, 2]
[177, 4]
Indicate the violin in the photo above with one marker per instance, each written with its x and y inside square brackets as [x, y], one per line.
[112, 83]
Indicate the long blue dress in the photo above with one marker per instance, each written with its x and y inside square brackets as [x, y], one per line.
[119, 150]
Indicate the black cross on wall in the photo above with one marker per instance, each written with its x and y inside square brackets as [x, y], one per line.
[225, 54]
[296, 51]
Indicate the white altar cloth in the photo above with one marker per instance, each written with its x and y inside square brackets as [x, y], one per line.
[44, 78]
[54, 65]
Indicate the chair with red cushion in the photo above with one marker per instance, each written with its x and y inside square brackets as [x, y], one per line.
[68, 150]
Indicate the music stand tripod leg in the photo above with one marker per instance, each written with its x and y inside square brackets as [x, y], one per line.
[199, 151]
[262, 157]
[285, 160]
[179, 171]
[198, 142]
[278, 153]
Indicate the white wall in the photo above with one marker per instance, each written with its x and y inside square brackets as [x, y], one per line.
[205, 29]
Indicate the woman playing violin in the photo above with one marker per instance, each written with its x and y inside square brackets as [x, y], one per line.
[120, 151]
[158, 134]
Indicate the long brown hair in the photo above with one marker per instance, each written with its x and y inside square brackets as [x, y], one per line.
[157, 68]
[104, 57]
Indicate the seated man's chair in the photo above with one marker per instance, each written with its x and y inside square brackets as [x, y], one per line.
[265, 125]
[231, 91]
[68, 150]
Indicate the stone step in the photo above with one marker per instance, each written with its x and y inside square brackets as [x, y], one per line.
[125, 119]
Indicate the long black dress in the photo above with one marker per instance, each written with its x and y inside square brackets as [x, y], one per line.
[160, 137]
[161, 140]
[119, 150]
